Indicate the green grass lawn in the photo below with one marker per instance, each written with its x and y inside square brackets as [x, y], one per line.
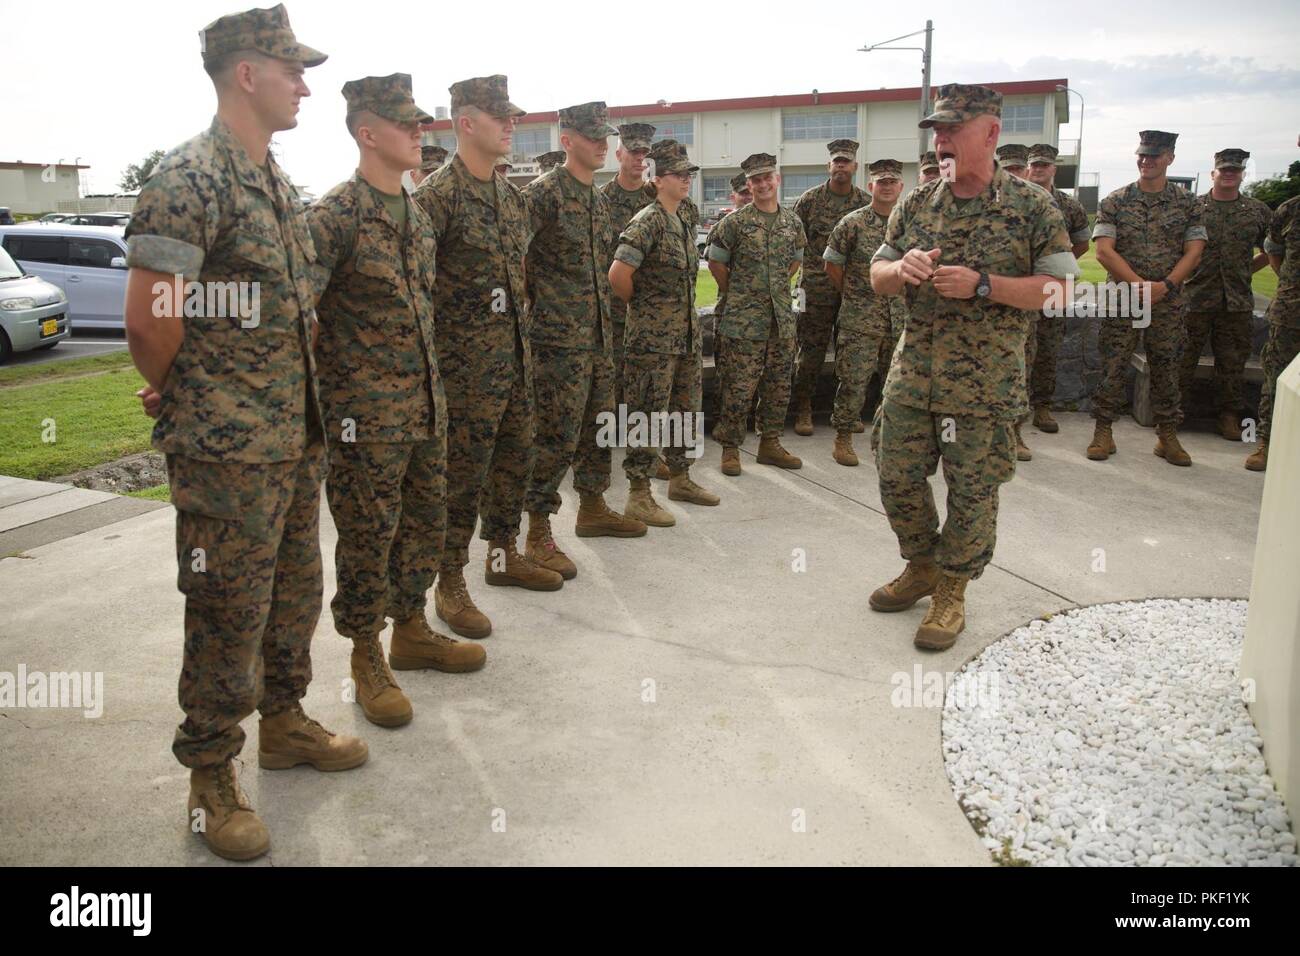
[156, 493]
[92, 405]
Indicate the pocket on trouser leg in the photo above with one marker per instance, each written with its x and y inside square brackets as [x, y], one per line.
[1001, 462]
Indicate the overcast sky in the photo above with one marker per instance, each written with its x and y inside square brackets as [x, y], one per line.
[108, 82]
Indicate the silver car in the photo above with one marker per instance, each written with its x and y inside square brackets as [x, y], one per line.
[87, 262]
[33, 312]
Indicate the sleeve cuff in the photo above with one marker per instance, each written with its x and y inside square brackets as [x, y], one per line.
[837, 258]
[162, 254]
[798, 256]
[1058, 265]
[1274, 248]
[1196, 232]
[1079, 235]
[630, 254]
[888, 252]
[719, 254]
[1104, 230]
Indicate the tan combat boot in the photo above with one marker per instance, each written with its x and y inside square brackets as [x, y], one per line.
[1022, 450]
[452, 603]
[859, 427]
[662, 471]
[642, 506]
[730, 460]
[946, 617]
[803, 423]
[416, 646]
[1258, 459]
[918, 579]
[1168, 447]
[542, 550]
[505, 567]
[682, 488]
[1229, 426]
[1044, 421]
[223, 814]
[1103, 442]
[844, 453]
[597, 519]
[770, 452]
[290, 738]
[381, 700]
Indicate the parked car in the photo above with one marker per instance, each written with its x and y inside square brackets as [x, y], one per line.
[99, 219]
[6, 216]
[87, 262]
[55, 217]
[33, 312]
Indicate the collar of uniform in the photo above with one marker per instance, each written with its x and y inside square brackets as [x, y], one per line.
[569, 182]
[753, 212]
[977, 204]
[1165, 195]
[369, 206]
[461, 171]
[854, 189]
[249, 173]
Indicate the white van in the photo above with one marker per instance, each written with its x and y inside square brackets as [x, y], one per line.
[87, 262]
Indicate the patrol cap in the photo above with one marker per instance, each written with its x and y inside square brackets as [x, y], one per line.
[958, 102]
[265, 30]
[670, 157]
[1043, 153]
[739, 183]
[589, 119]
[386, 96]
[1012, 154]
[549, 161]
[1153, 142]
[488, 93]
[1231, 159]
[885, 169]
[758, 164]
[432, 157]
[636, 135]
[842, 149]
[929, 160]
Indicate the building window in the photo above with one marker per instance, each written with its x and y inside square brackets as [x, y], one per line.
[681, 130]
[794, 185]
[717, 188]
[1022, 118]
[528, 143]
[819, 126]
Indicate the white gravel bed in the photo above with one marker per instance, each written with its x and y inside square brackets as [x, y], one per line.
[1116, 735]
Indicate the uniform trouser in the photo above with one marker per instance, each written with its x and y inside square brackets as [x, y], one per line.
[1163, 341]
[747, 367]
[1229, 336]
[858, 355]
[490, 432]
[389, 503]
[1031, 354]
[1280, 350]
[655, 382]
[813, 332]
[617, 328]
[572, 387]
[248, 551]
[978, 455]
[1042, 377]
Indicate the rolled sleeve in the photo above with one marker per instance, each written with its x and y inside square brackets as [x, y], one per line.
[836, 258]
[1193, 233]
[629, 254]
[1273, 248]
[1059, 265]
[163, 254]
[798, 255]
[1080, 235]
[886, 252]
[719, 254]
[174, 223]
[1104, 230]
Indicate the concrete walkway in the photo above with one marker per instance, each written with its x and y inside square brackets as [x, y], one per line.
[771, 688]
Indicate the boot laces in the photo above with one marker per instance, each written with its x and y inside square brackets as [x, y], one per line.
[228, 788]
[383, 677]
[312, 725]
[455, 585]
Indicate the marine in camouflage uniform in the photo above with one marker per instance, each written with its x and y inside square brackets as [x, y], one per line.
[480, 228]
[548, 161]
[740, 197]
[957, 383]
[1220, 301]
[868, 324]
[431, 158]
[1013, 158]
[623, 205]
[819, 209]
[573, 374]
[928, 167]
[385, 411]
[1283, 344]
[1046, 330]
[1151, 234]
[240, 424]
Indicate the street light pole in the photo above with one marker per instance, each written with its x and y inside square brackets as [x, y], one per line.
[1078, 152]
[925, 69]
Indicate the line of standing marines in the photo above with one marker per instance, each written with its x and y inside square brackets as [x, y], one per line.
[439, 360]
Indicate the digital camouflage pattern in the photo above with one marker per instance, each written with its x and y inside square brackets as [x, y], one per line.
[1042, 378]
[966, 356]
[748, 367]
[661, 316]
[858, 356]
[959, 102]
[386, 96]
[235, 393]
[248, 550]
[1280, 350]
[264, 30]
[1231, 159]
[432, 157]
[572, 387]
[489, 93]
[1228, 334]
[1149, 229]
[623, 205]
[1222, 278]
[1075, 216]
[589, 119]
[1153, 142]
[759, 258]
[635, 136]
[481, 232]
[548, 161]
[1012, 154]
[655, 382]
[1283, 342]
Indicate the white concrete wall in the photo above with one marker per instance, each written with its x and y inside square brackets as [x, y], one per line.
[23, 190]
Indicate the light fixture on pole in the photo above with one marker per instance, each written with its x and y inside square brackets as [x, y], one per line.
[924, 136]
[1078, 150]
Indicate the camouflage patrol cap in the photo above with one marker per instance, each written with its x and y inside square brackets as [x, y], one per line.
[842, 148]
[504, 166]
[1153, 142]
[1043, 153]
[1012, 154]
[958, 102]
[885, 169]
[636, 135]
[669, 156]
[386, 96]
[589, 119]
[264, 30]
[549, 161]
[432, 157]
[488, 93]
[739, 183]
[929, 160]
[758, 164]
[1231, 159]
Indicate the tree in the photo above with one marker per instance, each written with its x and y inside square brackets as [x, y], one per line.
[135, 176]
[1274, 192]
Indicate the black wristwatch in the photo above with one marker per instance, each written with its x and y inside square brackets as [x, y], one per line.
[1172, 286]
[983, 287]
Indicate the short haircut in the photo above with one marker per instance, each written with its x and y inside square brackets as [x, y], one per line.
[354, 120]
[219, 66]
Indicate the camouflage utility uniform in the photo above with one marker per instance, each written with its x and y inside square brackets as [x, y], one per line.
[1047, 332]
[1283, 342]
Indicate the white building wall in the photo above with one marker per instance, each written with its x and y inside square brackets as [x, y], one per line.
[24, 190]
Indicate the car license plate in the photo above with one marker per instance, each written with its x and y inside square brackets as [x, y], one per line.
[49, 327]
